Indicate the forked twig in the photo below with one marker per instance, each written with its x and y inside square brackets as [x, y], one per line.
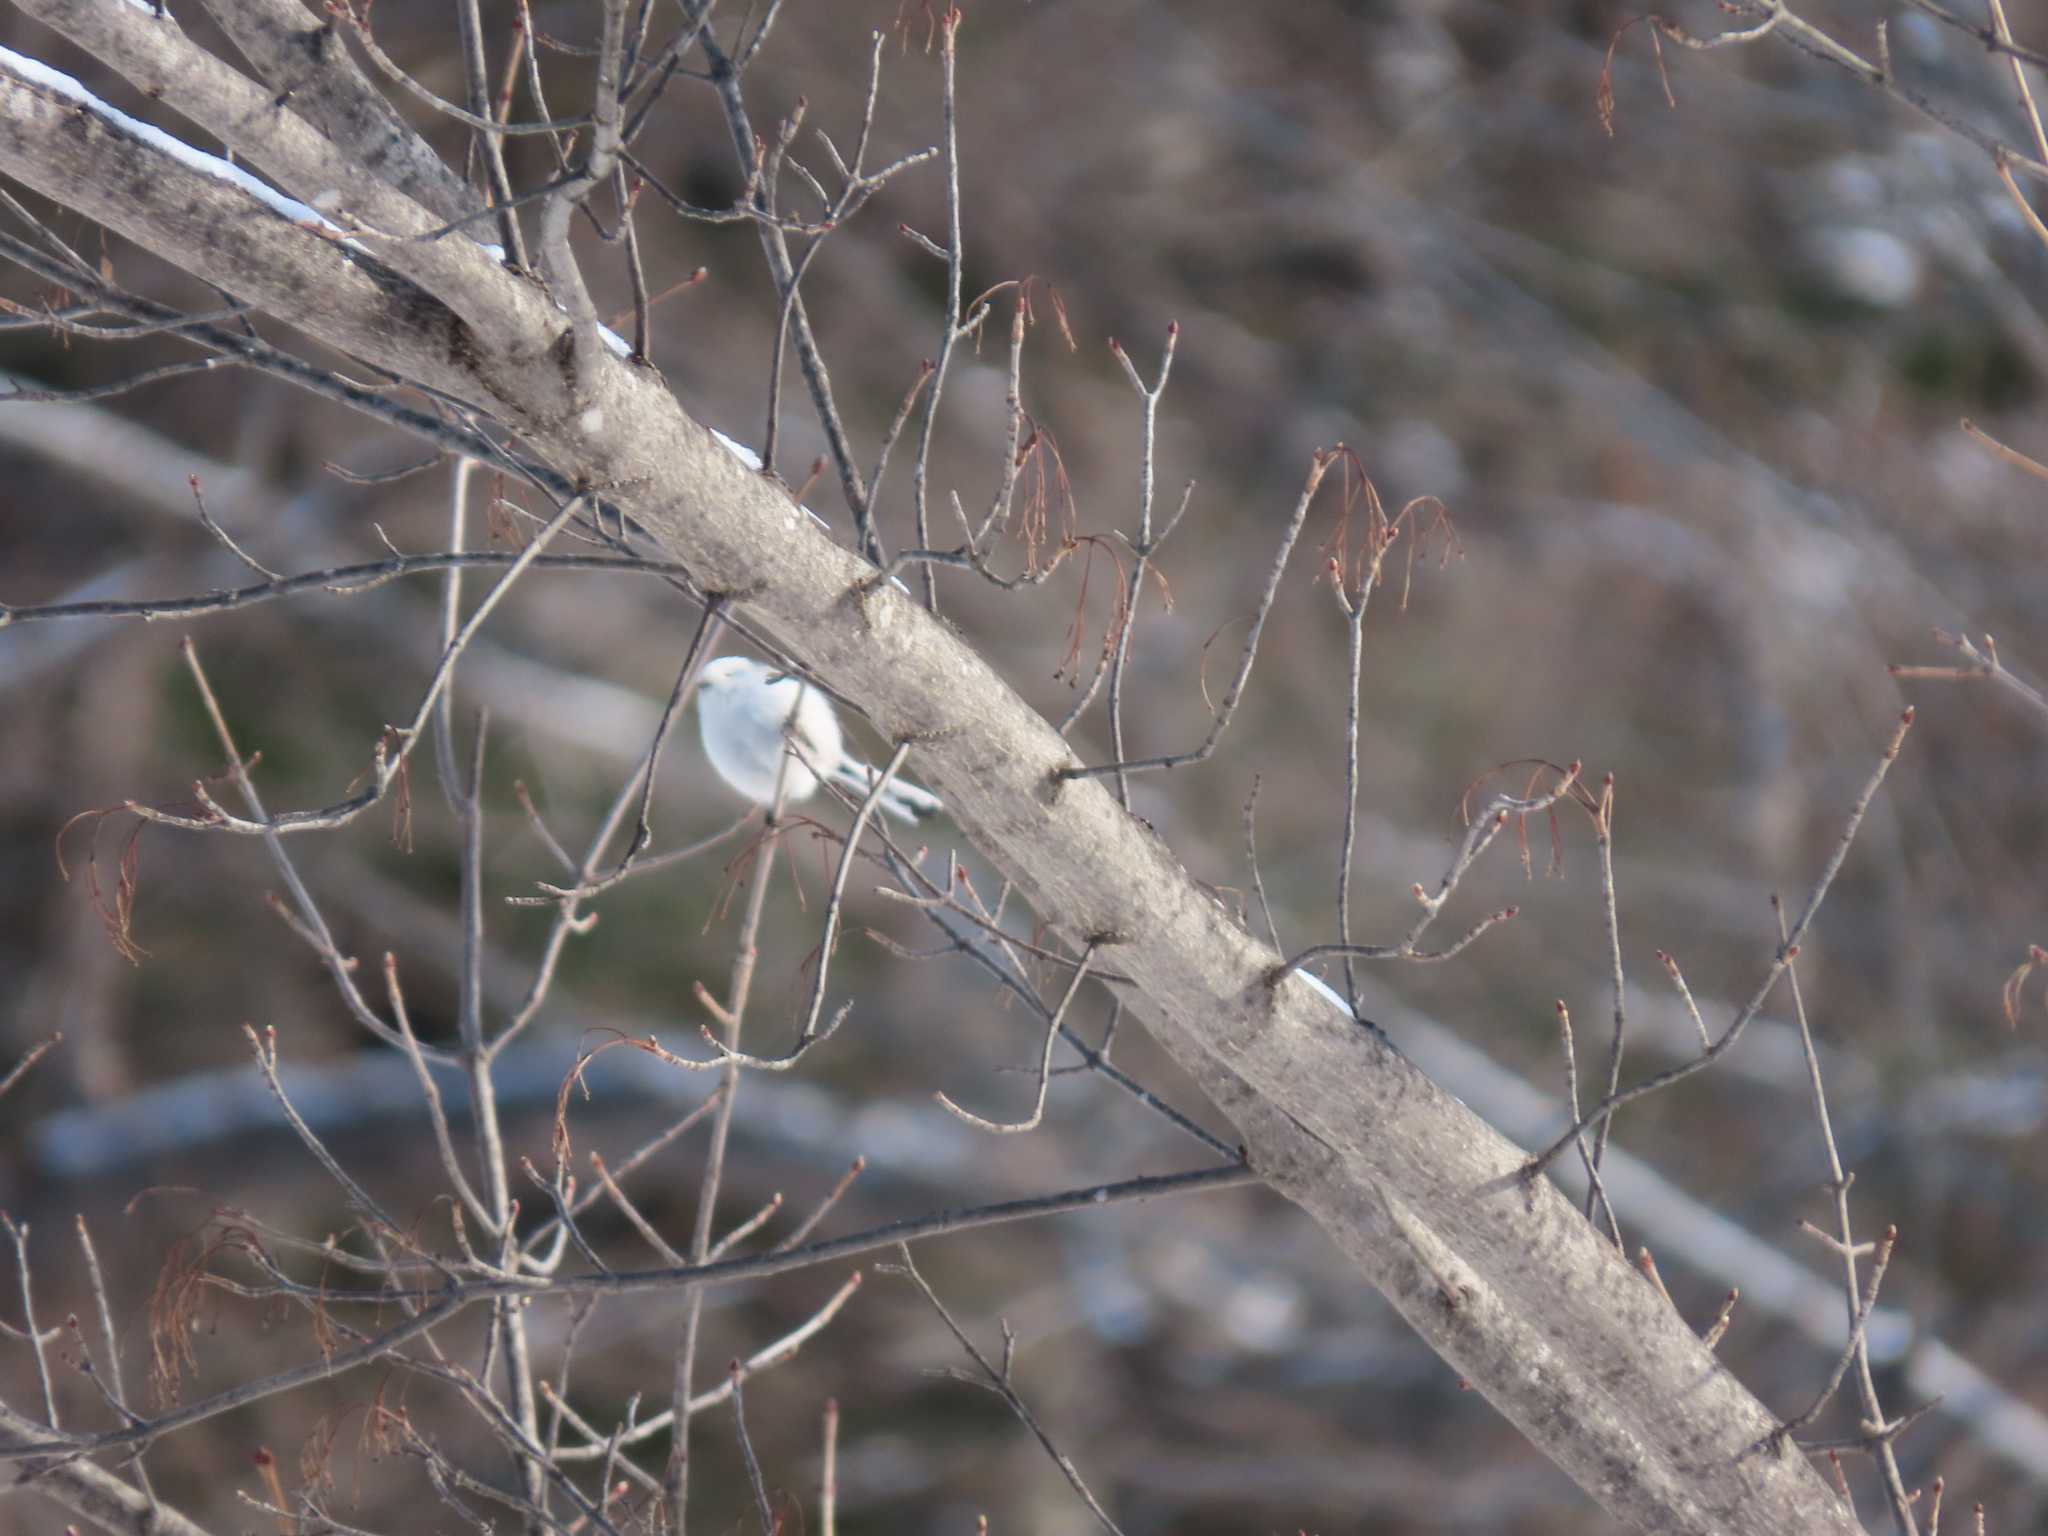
[999, 1382]
[1052, 1035]
[1787, 952]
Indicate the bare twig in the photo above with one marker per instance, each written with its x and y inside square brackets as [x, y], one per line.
[29, 1058]
[1776, 19]
[1856, 1348]
[1318, 467]
[1052, 1035]
[675, 1480]
[339, 581]
[430, 1092]
[386, 765]
[17, 1233]
[811, 1034]
[953, 327]
[1251, 853]
[458, 1295]
[999, 1382]
[1610, 922]
[769, 1356]
[828, 1475]
[1787, 951]
[1983, 664]
[823, 1208]
[753, 1464]
[1485, 827]
[113, 1386]
[1596, 1194]
[314, 925]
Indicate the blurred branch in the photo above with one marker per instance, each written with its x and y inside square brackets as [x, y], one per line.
[88, 1491]
[998, 1380]
[1984, 665]
[1788, 950]
[689, 1280]
[1777, 20]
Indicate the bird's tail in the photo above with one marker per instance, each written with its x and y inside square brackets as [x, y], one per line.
[902, 799]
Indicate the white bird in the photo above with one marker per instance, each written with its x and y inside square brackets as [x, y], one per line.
[744, 709]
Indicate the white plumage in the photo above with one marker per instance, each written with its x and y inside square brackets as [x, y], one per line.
[743, 709]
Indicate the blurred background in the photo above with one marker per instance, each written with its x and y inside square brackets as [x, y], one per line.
[1691, 395]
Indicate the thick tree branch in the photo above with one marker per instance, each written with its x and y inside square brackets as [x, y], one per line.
[87, 1490]
[302, 58]
[160, 61]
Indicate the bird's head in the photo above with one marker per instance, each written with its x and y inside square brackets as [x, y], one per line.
[729, 672]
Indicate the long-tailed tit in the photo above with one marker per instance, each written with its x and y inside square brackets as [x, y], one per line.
[743, 709]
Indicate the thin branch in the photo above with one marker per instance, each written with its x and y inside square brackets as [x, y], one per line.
[385, 765]
[810, 1034]
[1856, 1349]
[676, 1476]
[951, 327]
[1596, 1190]
[725, 79]
[780, 1352]
[686, 675]
[18, 1235]
[753, 1464]
[114, 1387]
[810, 1223]
[1787, 951]
[339, 581]
[999, 1382]
[564, 275]
[430, 1091]
[1052, 1035]
[457, 1296]
[828, 1474]
[1478, 837]
[1144, 546]
[1610, 922]
[264, 1046]
[312, 922]
[30, 1057]
[1011, 977]
[1319, 466]
[1251, 853]
[548, 1231]
[1778, 20]
[1983, 664]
